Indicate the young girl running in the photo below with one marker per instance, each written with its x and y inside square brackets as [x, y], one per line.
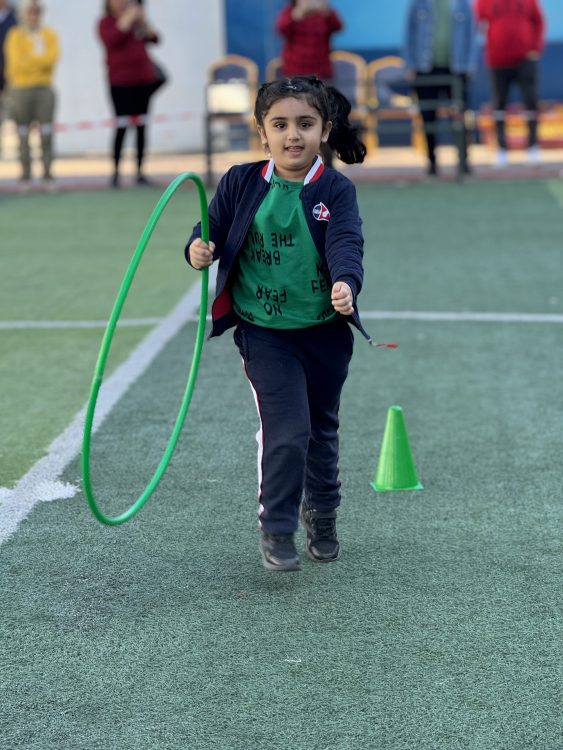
[287, 234]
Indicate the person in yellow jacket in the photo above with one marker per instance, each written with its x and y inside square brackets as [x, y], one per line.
[31, 53]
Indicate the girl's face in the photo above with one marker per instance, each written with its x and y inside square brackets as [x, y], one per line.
[293, 132]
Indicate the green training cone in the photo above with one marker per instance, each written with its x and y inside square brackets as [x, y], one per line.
[395, 468]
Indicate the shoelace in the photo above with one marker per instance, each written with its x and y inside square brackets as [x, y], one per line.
[325, 528]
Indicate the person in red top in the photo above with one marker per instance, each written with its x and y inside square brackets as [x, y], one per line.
[515, 40]
[133, 77]
[306, 26]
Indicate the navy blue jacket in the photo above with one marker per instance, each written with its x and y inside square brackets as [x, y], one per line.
[5, 26]
[331, 210]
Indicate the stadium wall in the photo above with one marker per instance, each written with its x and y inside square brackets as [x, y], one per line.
[191, 39]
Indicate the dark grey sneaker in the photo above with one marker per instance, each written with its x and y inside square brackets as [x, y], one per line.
[279, 552]
[322, 544]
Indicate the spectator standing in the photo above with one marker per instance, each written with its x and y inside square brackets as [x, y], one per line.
[441, 40]
[7, 20]
[133, 76]
[307, 27]
[514, 43]
[32, 51]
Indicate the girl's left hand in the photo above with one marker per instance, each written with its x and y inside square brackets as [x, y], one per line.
[342, 298]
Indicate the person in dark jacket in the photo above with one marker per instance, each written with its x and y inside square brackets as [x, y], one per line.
[514, 43]
[7, 20]
[133, 76]
[440, 40]
[287, 234]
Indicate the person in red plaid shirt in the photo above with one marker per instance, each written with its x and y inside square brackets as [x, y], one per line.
[306, 26]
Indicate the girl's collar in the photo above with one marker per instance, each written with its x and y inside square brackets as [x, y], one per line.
[313, 174]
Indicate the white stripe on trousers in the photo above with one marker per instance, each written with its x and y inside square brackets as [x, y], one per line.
[260, 441]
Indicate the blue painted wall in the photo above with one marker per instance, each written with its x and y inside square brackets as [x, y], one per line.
[374, 28]
[380, 23]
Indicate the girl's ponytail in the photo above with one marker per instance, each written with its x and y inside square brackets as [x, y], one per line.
[343, 137]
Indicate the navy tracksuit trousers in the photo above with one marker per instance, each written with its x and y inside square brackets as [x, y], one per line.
[297, 377]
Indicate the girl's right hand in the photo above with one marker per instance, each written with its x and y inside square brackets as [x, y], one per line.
[201, 254]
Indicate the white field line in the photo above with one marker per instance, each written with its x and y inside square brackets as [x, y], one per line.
[456, 317]
[62, 325]
[41, 483]
[30, 325]
[462, 317]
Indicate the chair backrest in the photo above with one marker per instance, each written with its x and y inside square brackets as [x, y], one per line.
[232, 83]
[233, 67]
[386, 84]
[273, 69]
[349, 76]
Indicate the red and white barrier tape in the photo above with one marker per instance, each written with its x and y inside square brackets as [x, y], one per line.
[522, 114]
[110, 122]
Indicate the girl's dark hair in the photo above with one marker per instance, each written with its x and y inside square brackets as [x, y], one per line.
[329, 102]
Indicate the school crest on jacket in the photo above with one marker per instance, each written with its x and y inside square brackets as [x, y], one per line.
[321, 212]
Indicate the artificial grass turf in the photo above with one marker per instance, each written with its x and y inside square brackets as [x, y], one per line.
[63, 258]
[477, 246]
[46, 376]
[440, 627]
[484, 247]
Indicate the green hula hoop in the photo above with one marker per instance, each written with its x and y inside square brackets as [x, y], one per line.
[105, 347]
